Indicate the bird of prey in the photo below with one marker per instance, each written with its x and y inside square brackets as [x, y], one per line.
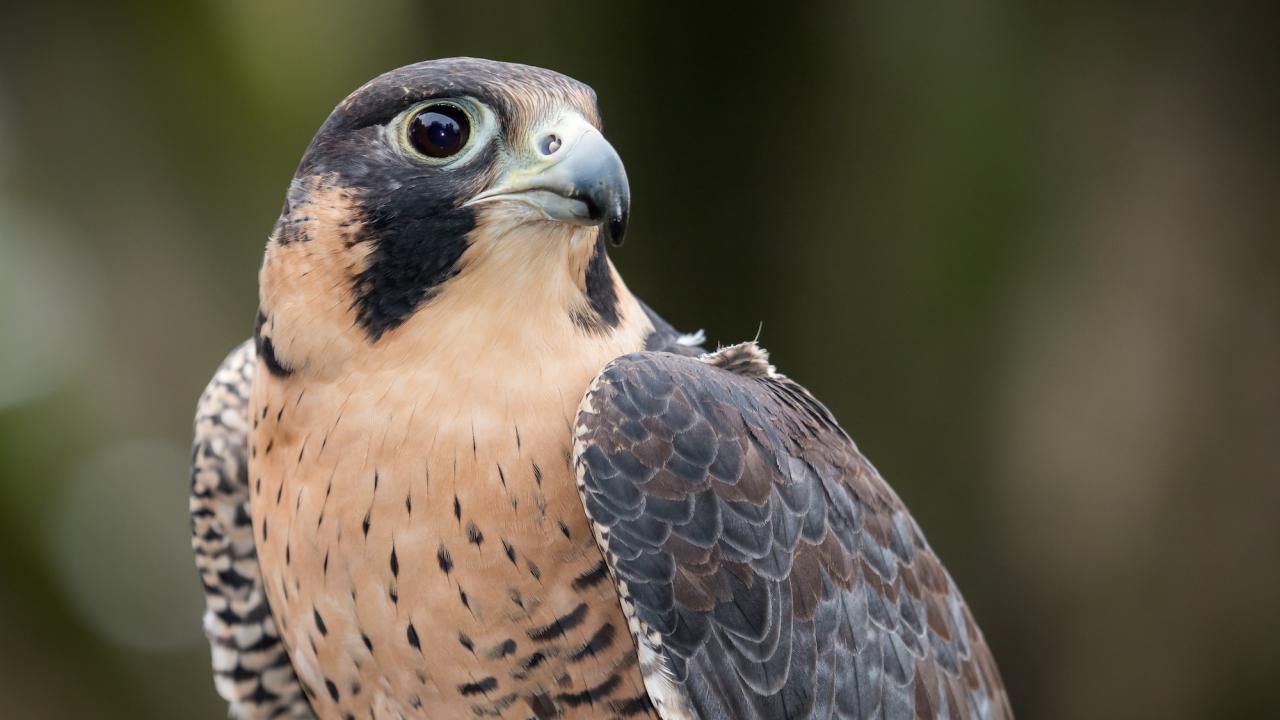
[460, 471]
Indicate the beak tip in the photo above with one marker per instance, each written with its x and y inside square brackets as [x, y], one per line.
[616, 225]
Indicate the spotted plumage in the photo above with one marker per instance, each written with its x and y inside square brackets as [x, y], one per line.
[251, 668]
[404, 506]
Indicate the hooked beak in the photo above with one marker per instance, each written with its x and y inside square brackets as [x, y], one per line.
[575, 177]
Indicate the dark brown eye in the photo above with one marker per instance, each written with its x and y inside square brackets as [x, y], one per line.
[439, 131]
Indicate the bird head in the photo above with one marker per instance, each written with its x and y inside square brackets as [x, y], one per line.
[486, 183]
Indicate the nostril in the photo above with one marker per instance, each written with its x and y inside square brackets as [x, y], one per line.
[550, 144]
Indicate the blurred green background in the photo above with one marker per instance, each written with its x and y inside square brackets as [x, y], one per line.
[1030, 256]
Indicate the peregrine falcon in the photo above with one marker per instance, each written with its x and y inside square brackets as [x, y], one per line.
[461, 471]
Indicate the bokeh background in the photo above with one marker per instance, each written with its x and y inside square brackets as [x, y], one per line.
[1029, 255]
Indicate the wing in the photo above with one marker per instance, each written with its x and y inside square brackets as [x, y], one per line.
[251, 668]
[666, 338]
[766, 569]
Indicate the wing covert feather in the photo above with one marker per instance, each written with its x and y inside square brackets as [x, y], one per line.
[766, 569]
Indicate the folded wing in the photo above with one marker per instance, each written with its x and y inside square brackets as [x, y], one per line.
[251, 667]
[767, 570]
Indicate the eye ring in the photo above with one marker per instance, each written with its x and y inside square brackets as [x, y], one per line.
[438, 131]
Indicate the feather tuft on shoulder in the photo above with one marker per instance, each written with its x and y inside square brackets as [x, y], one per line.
[748, 359]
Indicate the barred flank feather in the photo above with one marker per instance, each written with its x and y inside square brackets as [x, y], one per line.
[251, 669]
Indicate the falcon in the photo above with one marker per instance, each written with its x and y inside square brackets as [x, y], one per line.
[460, 471]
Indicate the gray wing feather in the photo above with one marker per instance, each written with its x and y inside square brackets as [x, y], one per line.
[666, 338]
[767, 570]
[251, 667]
